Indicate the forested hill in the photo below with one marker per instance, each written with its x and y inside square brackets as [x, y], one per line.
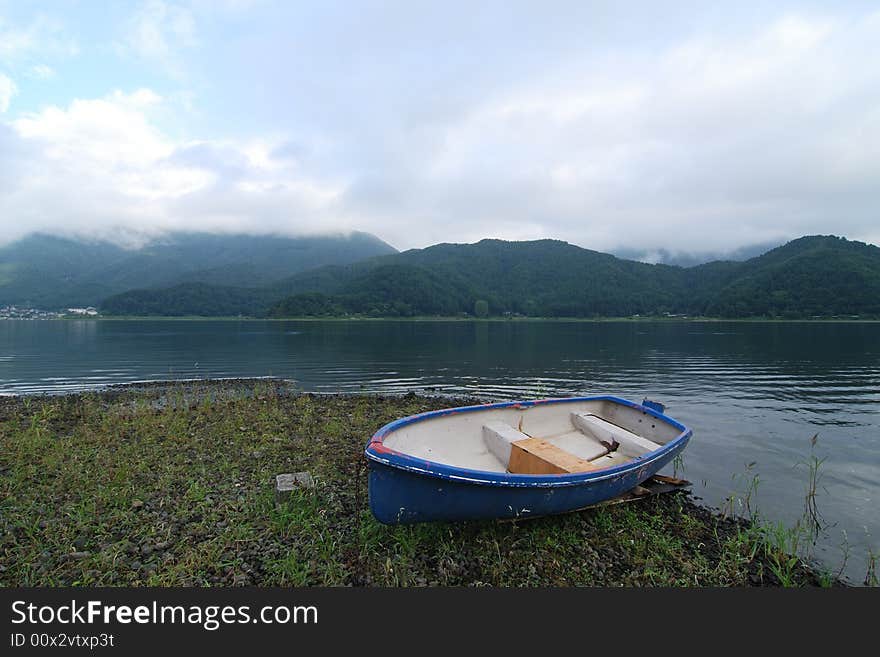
[818, 276]
[52, 272]
[811, 276]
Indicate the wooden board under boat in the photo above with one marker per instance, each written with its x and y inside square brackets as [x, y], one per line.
[517, 459]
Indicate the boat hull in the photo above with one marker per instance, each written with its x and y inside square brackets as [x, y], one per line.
[404, 490]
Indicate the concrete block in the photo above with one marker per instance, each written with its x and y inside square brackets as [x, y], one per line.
[286, 483]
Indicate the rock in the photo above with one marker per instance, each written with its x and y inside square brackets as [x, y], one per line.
[285, 484]
[76, 556]
[137, 504]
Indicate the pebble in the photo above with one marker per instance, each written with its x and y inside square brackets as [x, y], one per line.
[76, 556]
[137, 504]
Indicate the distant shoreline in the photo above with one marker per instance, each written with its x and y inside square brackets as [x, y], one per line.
[431, 318]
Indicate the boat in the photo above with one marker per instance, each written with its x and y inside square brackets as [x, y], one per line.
[518, 459]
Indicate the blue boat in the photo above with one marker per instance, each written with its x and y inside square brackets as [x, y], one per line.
[517, 459]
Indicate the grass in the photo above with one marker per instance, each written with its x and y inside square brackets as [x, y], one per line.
[172, 485]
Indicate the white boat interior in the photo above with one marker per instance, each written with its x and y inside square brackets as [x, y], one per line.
[554, 438]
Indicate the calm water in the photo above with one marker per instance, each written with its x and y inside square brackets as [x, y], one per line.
[752, 392]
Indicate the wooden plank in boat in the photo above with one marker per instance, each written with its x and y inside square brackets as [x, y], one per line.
[537, 456]
[609, 433]
[656, 485]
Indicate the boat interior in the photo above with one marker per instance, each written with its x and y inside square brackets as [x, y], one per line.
[557, 438]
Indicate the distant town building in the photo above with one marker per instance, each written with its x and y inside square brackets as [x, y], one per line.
[14, 312]
[82, 311]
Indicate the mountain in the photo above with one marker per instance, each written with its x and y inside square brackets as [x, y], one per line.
[53, 272]
[817, 276]
[811, 276]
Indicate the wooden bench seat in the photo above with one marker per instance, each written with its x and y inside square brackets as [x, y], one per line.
[523, 454]
[606, 432]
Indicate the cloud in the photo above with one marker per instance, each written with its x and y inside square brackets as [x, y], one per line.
[710, 144]
[607, 132]
[103, 167]
[43, 34]
[159, 31]
[42, 72]
[14, 41]
[7, 91]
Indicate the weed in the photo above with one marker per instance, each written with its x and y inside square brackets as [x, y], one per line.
[812, 516]
[871, 574]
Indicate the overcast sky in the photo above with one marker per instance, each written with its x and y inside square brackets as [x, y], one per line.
[685, 126]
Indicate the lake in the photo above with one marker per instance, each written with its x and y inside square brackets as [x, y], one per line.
[755, 393]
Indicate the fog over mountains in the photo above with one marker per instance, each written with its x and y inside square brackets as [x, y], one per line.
[664, 256]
